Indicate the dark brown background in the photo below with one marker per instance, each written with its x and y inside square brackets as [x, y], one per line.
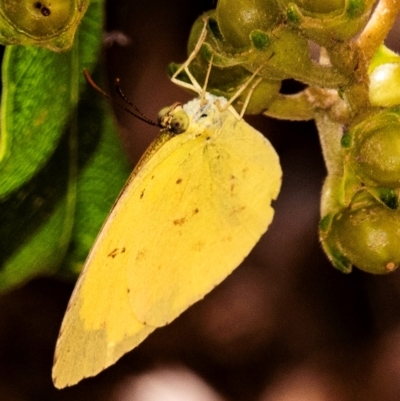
[284, 326]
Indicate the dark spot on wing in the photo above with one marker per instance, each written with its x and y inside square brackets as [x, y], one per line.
[142, 194]
[141, 255]
[179, 222]
[183, 220]
[115, 252]
[179, 180]
[238, 210]
[198, 246]
[233, 184]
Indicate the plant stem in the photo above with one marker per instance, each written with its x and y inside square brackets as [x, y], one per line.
[378, 27]
[330, 134]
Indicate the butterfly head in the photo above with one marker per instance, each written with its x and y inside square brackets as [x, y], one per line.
[174, 119]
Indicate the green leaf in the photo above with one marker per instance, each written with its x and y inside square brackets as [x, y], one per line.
[61, 163]
[47, 23]
[36, 105]
[102, 173]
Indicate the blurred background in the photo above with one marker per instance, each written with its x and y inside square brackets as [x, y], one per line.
[284, 326]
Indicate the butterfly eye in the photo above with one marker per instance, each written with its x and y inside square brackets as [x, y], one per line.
[179, 121]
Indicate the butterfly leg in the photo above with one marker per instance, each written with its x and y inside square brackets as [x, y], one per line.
[194, 86]
[241, 89]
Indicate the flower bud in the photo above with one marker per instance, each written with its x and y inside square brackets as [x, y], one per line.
[384, 78]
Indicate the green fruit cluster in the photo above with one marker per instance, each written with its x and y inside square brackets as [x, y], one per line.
[362, 226]
[361, 223]
[272, 39]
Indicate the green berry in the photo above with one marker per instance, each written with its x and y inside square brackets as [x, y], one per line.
[42, 18]
[238, 18]
[366, 234]
[374, 154]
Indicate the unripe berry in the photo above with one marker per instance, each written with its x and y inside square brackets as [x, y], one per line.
[238, 18]
[372, 149]
[365, 234]
[44, 18]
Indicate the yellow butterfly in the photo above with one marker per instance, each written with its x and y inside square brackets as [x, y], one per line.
[192, 210]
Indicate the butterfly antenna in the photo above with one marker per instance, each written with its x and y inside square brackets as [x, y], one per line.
[138, 114]
[125, 99]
